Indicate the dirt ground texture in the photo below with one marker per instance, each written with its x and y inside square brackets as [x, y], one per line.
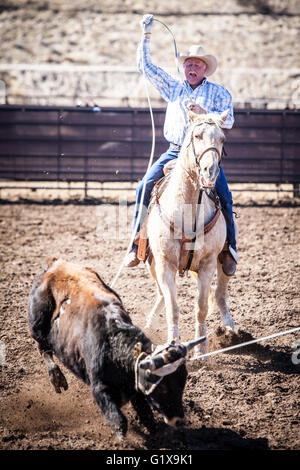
[247, 399]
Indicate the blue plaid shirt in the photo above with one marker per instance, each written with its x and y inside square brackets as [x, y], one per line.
[210, 96]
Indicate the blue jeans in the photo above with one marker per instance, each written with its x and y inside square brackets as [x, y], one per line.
[156, 172]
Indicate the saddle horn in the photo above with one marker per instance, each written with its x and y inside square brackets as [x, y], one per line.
[170, 355]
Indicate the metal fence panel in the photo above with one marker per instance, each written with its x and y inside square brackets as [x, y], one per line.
[88, 144]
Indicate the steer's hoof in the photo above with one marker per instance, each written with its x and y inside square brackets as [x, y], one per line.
[58, 379]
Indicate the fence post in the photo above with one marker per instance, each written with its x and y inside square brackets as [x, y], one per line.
[296, 189]
[282, 131]
[85, 162]
[59, 154]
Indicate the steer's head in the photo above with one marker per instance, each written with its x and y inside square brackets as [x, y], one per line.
[162, 375]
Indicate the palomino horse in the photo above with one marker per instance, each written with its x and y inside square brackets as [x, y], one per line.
[196, 168]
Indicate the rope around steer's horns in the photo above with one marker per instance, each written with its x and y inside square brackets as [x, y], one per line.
[170, 354]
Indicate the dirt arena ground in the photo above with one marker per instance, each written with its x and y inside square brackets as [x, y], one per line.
[248, 399]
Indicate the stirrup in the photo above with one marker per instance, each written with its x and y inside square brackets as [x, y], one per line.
[228, 259]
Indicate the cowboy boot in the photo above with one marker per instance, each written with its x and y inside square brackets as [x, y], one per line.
[131, 259]
[228, 259]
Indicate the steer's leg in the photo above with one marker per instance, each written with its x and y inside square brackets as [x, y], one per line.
[57, 378]
[205, 276]
[41, 307]
[143, 411]
[110, 410]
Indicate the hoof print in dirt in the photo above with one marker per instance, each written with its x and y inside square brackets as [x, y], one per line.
[224, 337]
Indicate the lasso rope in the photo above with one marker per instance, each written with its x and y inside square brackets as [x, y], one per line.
[241, 345]
[134, 232]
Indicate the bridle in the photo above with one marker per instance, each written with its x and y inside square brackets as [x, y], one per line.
[197, 159]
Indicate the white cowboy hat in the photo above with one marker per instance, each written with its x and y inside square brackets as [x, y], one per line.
[199, 53]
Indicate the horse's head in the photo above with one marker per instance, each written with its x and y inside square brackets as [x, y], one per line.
[205, 145]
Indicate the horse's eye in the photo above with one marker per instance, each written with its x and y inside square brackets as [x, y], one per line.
[199, 136]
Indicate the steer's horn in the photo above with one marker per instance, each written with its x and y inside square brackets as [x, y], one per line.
[167, 356]
[171, 354]
[191, 344]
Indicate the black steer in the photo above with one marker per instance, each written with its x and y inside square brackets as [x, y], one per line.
[76, 316]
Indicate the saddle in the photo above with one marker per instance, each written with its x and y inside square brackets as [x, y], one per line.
[186, 255]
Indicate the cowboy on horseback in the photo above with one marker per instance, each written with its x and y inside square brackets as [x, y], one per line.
[204, 97]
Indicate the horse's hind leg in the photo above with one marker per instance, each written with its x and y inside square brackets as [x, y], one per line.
[159, 303]
[221, 298]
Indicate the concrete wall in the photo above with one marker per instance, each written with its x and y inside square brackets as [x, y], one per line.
[84, 52]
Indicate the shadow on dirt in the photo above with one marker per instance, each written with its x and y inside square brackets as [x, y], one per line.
[268, 359]
[112, 201]
[201, 439]
[62, 202]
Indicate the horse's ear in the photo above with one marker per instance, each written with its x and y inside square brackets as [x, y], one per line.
[224, 116]
[192, 116]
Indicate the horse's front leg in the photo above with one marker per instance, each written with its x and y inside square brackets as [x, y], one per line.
[204, 280]
[159, 303]
[165, 274]
[221, 298]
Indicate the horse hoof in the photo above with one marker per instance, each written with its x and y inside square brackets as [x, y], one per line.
[229, 328]
[229, 325]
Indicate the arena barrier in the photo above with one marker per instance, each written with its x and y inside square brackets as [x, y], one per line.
[78, 144]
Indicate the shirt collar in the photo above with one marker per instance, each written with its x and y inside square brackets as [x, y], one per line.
[199, 86]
